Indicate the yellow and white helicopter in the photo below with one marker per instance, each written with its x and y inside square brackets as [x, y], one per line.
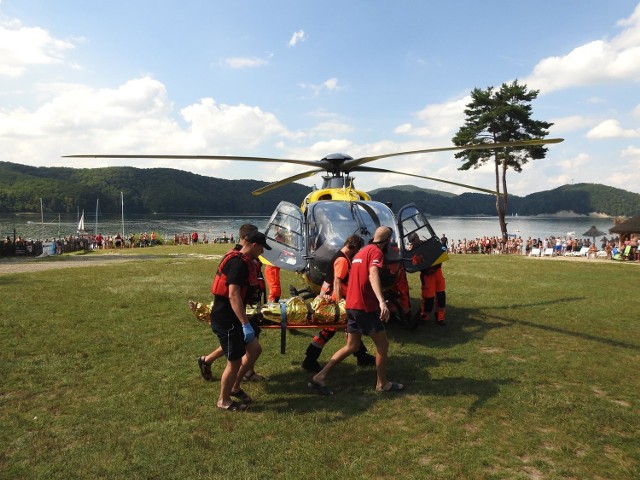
[305, 238]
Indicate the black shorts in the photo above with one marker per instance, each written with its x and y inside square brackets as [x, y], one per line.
[231, 337]
[365, 323]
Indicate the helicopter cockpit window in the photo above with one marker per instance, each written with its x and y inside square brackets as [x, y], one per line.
[286, 229]
[331, 222]
[285, 236]
[374, 214]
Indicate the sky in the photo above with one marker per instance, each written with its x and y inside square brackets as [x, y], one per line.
[295, 79]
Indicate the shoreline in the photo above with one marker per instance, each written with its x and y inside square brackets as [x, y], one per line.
[15, 265]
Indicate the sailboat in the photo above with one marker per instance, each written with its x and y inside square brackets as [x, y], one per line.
[81, 230]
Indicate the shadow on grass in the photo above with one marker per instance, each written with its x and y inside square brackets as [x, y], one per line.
[465, 325]
[553, 328]
[354, 388]
[583, 336]
[482, 390]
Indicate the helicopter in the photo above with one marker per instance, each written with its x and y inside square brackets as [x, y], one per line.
[305, 238]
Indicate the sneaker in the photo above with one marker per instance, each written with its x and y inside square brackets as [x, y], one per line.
[205, 369]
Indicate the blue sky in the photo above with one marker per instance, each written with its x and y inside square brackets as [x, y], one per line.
[294, 79]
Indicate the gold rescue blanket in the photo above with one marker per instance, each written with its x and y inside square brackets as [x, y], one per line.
[317, 311]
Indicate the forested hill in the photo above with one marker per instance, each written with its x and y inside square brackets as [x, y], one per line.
[580, 198]
[160, 190]
[164, 190]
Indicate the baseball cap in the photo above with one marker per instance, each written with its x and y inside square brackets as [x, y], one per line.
[258, 237]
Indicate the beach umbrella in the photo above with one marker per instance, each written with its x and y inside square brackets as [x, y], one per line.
[594, 232]
[631, 225]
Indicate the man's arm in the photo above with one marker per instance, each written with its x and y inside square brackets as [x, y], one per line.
[337, 293]
[340, 270]
[376, 285]
[235, 298]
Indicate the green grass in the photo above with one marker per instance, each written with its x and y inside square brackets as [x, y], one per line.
[535, 376]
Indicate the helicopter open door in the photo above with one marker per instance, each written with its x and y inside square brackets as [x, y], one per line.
[285, 236]
[421, 247]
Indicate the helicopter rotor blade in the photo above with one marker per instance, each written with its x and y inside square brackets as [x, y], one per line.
[335, 164]
[384, 170]
[350, 164]
[309, 163]
[285, 181]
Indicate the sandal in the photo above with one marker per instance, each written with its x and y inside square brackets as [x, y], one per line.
[319, 389]
[253, 377]
[205, 369]
[242, 396]
[393, 387]
[235, 407]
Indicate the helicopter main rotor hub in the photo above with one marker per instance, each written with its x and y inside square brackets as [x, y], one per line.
[333, 163]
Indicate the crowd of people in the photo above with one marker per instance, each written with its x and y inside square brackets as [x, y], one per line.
[33, 248]
[560, 245]
[513, 245]
[568, 245]
[143, 239]
[20, 246]
[485, 245]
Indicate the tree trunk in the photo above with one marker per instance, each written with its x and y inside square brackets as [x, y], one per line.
[500, 200]
[505, 198]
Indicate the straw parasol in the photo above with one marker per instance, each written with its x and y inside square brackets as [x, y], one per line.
[630, 225]
[594, 232]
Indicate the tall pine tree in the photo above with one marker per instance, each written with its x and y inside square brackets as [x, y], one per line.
[501, 116]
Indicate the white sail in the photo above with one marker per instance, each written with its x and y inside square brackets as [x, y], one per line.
[81, 223]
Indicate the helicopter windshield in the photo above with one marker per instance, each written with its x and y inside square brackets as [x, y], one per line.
[285, 237]
[331, 222]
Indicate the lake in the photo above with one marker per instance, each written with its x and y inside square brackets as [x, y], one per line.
[54, 226]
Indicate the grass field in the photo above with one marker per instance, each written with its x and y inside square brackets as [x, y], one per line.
[535, 376]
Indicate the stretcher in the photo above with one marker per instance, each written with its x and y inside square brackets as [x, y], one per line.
[293, 313]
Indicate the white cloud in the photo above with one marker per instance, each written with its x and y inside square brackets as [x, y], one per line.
[23, 47]
[217, 125]
[596, 62]
[611, 129]
[330, 85]
[573, 164]
[138, 118]
[631, 151]
[331, 129]
[569, 124]
[244, 62]
[439, 121]
[80, 108]
[298, 36]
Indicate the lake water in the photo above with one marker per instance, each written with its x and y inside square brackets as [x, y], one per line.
[54, 226]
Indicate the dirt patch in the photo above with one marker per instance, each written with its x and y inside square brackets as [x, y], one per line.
[39, 264]
[27, 265]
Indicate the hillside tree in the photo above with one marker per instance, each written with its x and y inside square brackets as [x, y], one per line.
[495, 116]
